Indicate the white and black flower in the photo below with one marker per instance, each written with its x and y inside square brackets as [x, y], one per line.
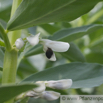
[50, 47]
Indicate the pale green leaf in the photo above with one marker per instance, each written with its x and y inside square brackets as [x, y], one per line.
[36, 12]
[74, 54]
[71, 34]
[8, 92]
[5, 8]
[95, 57]
[84, 75]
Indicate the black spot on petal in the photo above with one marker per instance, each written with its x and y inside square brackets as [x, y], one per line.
[49, 53]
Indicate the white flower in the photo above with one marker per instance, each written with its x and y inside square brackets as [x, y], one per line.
[19, 43]
[50, 46]
[32, 94]
[41, 87]
[33, 39]
[50, 95]
[40, 92]
[60, 84]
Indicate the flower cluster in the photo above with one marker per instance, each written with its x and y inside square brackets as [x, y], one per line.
[40, 91]
[49, 46]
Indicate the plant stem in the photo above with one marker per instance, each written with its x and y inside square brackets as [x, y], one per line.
[10, 58]
[5, 38]
[13, 35]
[9, 69]
[10, 66]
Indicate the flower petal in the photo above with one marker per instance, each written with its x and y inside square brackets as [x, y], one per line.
[53, 58]
[19, 43]
[56, 45]
[60, 84]
[41, 87]
[32, 94]
[50, 95]
[33, 40]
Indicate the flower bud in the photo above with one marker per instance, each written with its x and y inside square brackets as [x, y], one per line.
[50, 95]
[32, 94]
[19, 43]
[60, 84]
[33, 39]
[41, 87]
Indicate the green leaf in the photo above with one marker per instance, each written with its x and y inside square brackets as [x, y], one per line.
[5, 38]
[95, 57]
[5, 8]
[96, 35]
[84, 75]
[3, 23]
[34, 6]
[71, 34]
[2, 44]
[46, 11]
[97, 45]
[1, 58]
[25, 69]
[8, 92]
[99, 90]
[74, 54]
[34, 51]
[26, 66]
[32, 30]
[50, 28]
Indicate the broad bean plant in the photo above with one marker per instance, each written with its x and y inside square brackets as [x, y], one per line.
[50, 48]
